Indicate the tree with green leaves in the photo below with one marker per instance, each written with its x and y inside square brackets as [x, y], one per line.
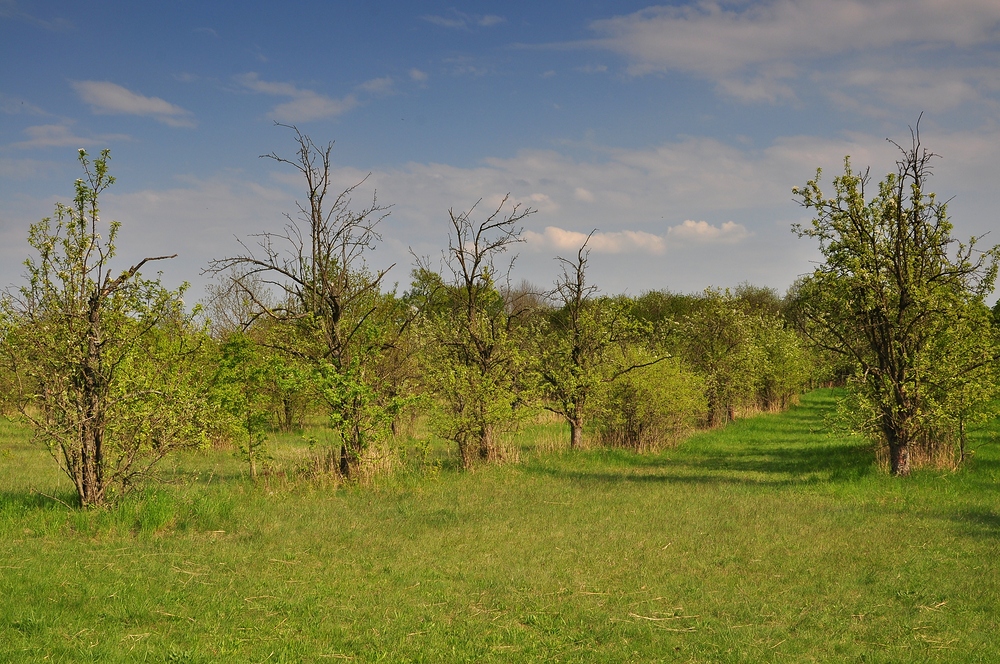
[901, 300]
[242, 387]
[104, 363]
[474, 360]
[584, 343]
[718, 338]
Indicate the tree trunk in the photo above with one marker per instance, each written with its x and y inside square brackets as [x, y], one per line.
[90, 485]
[899, 459]
[465, 450]
[575, 434]
[487, 451]
[899, 451]
[287, 422]
[348, 461]
[350, 451]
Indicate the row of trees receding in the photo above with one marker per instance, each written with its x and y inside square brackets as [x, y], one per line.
[113, 373]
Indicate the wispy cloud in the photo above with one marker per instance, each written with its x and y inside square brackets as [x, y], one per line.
[708, 37]
[111, 99]
[934, 90]
[9, 9]
[763, 52]
[12, 105]
[418, 76]
[62, 136]
[457, 20]
[24, 169]
[378, 86]
[303, 105]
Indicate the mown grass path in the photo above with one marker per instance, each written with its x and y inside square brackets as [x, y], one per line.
[767, 541]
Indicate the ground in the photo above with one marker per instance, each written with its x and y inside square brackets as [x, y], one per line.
[771, 540]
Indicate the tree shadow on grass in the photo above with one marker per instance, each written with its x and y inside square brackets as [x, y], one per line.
[789, 448]
[28, 500]
[977, 523]
[789, 467]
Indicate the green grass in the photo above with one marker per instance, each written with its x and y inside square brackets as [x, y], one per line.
[767, 541]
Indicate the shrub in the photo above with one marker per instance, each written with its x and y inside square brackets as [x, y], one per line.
[650, 408]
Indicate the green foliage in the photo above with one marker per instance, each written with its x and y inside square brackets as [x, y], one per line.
[580, 348]
[584, 344]
[661, 308]
[242, 387]
[105, 367]
[902, 302]
[650, 407]
[474, 362]
[765, 541]
[476, 369]
[332, 314]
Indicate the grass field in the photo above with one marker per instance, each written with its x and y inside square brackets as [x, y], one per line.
[770, 540]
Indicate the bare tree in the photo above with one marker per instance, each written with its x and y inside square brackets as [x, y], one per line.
[328, 297]
[476, 360]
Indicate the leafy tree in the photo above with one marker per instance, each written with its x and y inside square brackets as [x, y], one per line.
[473, 358]
[719, 339]
[331, 306]
[787, 365]
[585, 344]
[650, 407]
[233, 314]
[105, 364]
[241, 386]
[663, 309]
[901, 299]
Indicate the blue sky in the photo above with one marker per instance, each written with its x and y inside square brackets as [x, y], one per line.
[677, 130]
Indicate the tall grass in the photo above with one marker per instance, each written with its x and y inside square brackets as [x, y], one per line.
[769, 540]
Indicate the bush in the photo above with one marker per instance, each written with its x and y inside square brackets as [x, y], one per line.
[650, 408]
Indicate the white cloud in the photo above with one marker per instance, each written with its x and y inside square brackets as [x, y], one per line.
[771, 86]
[379, 86]
[463, 65]
[683, 214]
[62, 136]
[617, 242]
[16, 105]
[865, 56]
[10, 9]
[304, 105]
[490, 20]
[24, 169]
[418, 76]
[445, 22]
[109, 98]
[457, 20]
[931, 90]
[701, 231]
[717, 38]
